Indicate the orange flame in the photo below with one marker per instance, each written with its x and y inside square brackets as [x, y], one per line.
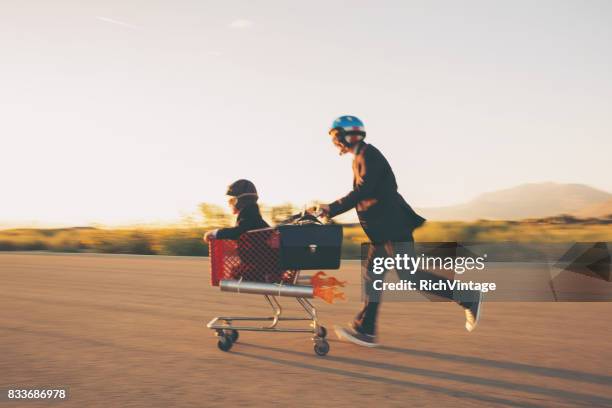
[326, 288]
[319, 280]
[329, 294]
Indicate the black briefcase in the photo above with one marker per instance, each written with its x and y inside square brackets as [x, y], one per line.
[310, 246]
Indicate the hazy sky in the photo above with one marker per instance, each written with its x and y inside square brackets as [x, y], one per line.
[126, 111]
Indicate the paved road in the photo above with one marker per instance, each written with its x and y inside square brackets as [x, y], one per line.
[128, 331]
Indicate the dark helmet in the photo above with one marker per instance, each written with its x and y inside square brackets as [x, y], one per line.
[243, 193]
[350, 130]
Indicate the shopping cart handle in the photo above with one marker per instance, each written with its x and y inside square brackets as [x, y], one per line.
[304, 217]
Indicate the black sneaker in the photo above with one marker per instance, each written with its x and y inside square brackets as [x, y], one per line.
[361, 339]
[473, 311]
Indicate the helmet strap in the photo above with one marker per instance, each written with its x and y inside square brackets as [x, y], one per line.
[352, 140]
[347, 140]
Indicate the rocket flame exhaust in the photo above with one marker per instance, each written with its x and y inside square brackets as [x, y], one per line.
[319, 279]
[329, 294]
[326, 288]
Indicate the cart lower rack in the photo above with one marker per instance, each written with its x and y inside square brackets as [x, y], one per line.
[227, 330]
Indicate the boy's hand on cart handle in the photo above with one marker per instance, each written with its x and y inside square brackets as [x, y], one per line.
[210, 235]
[323, 209]
[320, 210]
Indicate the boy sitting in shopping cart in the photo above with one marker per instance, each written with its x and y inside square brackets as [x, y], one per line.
[250, 257]
[243, 202]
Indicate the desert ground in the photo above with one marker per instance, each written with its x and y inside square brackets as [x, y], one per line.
[129, 331]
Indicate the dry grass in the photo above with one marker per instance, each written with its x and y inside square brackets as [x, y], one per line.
[188, 242]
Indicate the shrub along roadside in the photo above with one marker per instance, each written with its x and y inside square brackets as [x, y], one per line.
[188, 241]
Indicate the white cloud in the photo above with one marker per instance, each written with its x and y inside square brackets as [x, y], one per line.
[117, 22]
[241, 23]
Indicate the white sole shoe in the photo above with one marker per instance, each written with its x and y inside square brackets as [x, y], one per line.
[345, 335]
[471, 321]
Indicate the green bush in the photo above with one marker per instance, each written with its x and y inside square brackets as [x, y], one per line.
[123, 242]
[7, 246]
[183, 243]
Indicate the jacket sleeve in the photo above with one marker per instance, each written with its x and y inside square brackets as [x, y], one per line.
[248, 220]
[242, 226]
[230, 233]
[372, 173]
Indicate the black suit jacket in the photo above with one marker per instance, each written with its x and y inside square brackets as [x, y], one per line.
[382, 211]
[249, 218]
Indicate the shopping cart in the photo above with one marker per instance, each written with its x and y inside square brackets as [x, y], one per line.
[268, 262]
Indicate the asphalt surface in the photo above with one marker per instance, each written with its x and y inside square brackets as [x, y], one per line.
[129, 331]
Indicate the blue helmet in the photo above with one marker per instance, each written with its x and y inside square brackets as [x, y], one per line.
[350, 130]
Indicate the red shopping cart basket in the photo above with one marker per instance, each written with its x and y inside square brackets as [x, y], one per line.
[255, 256]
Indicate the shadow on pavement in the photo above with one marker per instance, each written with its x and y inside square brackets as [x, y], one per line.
[573, 397]
[507, 365]
[392, 381]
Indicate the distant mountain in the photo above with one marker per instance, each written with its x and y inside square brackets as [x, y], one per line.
[598, 210]
[534, 200]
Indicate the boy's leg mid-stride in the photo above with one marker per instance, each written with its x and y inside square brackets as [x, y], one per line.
[362, 330]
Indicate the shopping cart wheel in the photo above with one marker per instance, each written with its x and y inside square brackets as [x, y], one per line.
[225, 343]
[321, 347]
[233, 334]
[321, 331]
